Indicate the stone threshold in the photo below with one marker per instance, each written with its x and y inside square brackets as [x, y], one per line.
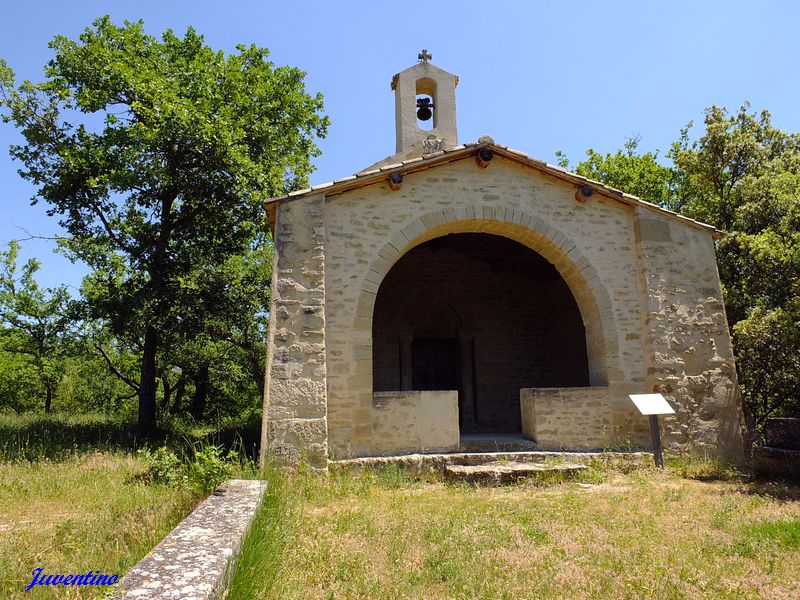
[194, 560]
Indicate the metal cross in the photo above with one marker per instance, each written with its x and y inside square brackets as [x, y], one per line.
[424, 56]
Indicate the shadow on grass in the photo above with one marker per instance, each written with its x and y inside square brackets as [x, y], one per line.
[57, 436]
[780, 490]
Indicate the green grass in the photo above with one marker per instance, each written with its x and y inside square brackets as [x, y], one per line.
[636, 534]
[85, 512]
[265, 547]
[75, 495]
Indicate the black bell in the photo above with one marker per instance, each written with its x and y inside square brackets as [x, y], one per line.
[424, 109]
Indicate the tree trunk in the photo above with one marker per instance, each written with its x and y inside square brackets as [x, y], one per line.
[200, 391]
[147, 381]
[167, 393]
[180, 391]
[48, 400]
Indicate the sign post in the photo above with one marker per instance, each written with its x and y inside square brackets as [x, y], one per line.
[653, 405]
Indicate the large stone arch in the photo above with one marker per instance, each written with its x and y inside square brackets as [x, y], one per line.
[590, 294]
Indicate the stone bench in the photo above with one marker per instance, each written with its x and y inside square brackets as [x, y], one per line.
[193, 561]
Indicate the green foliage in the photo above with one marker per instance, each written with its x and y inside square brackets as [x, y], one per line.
[157, 155]
[36, 331]
[163, 466]
[768, 350]
[21, 387]
[718, 170]
[638, 174]
[742, 175]
[203, 467]
[209, 467]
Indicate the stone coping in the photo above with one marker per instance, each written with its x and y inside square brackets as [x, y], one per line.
[192, 562]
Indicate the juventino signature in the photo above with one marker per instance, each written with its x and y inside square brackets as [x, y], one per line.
[90, 578]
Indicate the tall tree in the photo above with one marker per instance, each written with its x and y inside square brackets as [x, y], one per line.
[157, 156]
[38, 320]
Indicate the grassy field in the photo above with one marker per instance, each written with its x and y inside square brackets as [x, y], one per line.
[81, 513]
[638, 535]
[73, 497]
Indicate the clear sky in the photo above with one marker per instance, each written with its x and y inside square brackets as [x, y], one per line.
[537, 76]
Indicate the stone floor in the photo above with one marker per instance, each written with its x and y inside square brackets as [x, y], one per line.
[495, 442]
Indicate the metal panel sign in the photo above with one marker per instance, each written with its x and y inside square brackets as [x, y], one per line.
[652, 404]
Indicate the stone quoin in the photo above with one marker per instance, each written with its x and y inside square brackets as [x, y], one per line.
[471, 289]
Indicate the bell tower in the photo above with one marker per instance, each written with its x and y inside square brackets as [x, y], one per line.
[425, 106]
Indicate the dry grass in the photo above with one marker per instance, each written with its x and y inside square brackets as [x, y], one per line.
[83, 513]
[636, 535]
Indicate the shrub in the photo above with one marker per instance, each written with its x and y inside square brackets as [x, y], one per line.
[202, 469]
[210, 467]
[163, 466]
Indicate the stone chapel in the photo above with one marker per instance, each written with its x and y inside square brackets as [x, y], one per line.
[460, 292]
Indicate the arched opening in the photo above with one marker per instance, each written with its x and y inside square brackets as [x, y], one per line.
[426, 104]
[480, 314]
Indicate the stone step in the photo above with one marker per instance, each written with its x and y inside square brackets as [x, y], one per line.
[769, 462]
[498, 473]
[421, 464]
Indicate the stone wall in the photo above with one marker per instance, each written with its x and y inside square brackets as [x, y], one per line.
[295, 399]
[408, 422]
[690, 357]
[573, 418]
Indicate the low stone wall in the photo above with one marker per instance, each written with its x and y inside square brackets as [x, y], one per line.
[415, 421]
[192, 562]
[780, 456]
[572, 418]
[782, 433]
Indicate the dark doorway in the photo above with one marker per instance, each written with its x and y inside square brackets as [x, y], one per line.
[434, 364]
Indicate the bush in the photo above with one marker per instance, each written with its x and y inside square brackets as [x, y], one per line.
[202, 469]
[210, 467]
[163, 466]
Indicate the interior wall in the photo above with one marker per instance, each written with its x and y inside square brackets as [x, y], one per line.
[515, 323]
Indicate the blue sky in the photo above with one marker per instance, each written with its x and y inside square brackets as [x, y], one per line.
[537, 76]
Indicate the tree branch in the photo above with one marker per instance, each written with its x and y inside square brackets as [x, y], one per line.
[111, 367]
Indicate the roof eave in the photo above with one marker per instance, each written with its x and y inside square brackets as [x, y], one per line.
[424, 162]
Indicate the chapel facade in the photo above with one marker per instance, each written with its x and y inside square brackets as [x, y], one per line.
[451, 291]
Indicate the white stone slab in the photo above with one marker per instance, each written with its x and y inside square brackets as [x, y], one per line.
[652, 404]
